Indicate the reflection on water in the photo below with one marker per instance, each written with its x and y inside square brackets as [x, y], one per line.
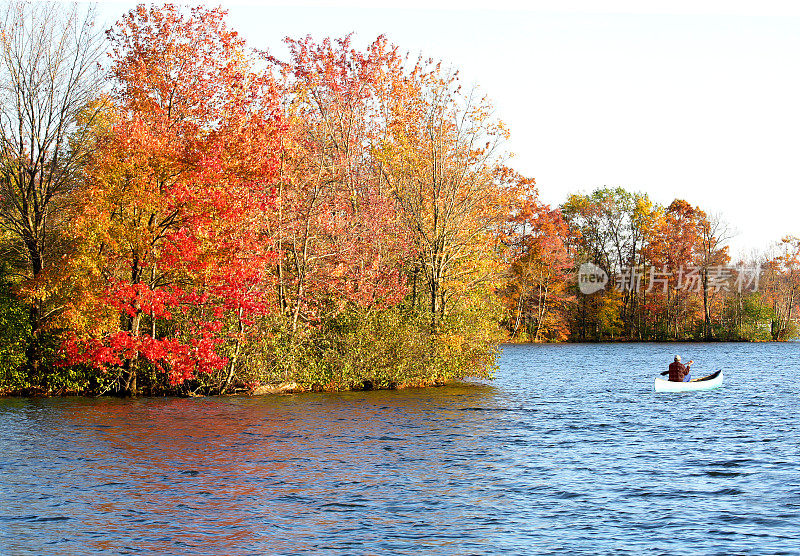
[569, 450]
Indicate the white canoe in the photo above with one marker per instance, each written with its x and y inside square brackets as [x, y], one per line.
[706, 383]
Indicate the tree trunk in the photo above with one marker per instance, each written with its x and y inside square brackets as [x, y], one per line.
[518, 319]
[32, 350]
[707, 333]
[235, 358]
[434, 302]
[414, 275]
[133, 328]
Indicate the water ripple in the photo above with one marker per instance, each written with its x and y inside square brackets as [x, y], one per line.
[559, 455]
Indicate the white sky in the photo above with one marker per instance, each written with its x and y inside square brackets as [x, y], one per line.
[698, 100]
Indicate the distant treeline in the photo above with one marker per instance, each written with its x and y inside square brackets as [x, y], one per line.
[200, 217]
[665, 271]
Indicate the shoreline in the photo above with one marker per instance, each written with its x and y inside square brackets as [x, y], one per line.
[294, 387]
[277, 389]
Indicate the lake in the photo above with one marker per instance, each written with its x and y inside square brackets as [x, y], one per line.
[569, 450]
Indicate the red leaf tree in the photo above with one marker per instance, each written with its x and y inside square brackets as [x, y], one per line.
[180, 189]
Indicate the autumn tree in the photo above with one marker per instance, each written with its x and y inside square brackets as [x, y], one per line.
[538, 289]
[172, 218]
[336, 225]
[444, 161]
[49, 76]
[672, 252]
[781, 287]
[712, 256]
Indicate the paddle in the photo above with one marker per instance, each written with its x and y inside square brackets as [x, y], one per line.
[689, 364]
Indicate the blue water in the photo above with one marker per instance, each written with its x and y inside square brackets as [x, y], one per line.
[569, 450]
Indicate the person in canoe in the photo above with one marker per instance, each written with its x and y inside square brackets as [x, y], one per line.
[678, 372]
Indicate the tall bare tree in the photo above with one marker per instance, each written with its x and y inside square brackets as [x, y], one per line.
[712, 254]
[49, 76]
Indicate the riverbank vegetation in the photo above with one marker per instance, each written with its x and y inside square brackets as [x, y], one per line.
[201, 217]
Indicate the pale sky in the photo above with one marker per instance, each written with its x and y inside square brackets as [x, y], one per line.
[695, 100]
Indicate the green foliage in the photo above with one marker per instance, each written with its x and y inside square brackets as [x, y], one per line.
[77, 379]
[376, 349]
[755, 317]
[17, 342]
[746, 317]
[15, 333]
